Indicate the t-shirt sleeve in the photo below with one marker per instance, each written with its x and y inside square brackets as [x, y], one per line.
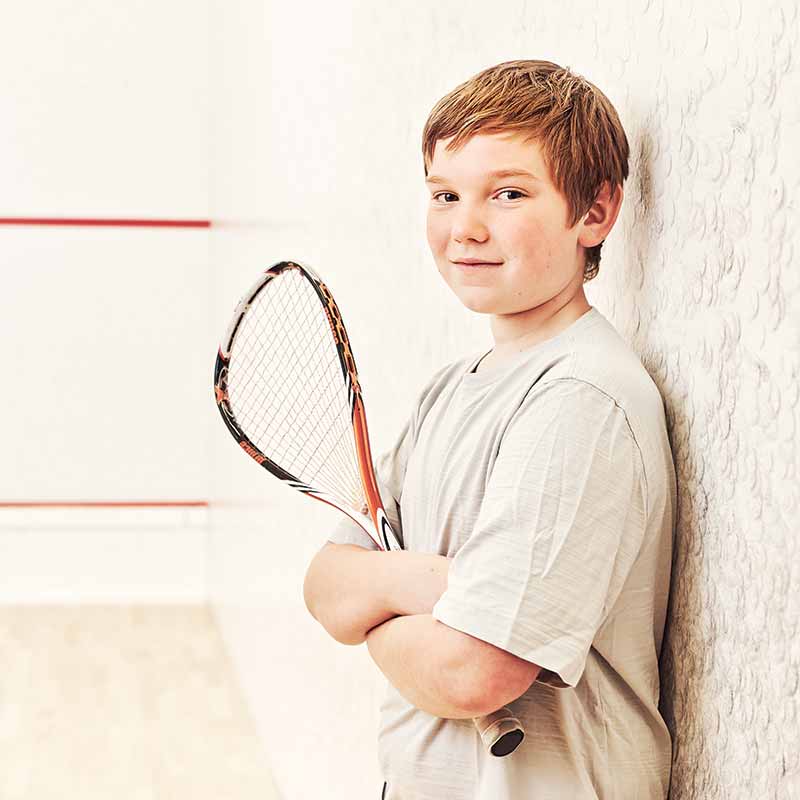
[559, 528]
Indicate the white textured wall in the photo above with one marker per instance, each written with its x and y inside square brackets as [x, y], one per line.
[316, 156]
[104, 330]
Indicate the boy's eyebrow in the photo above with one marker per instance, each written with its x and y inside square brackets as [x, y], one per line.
[499, 173]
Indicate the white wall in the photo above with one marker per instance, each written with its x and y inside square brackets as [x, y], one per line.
[107, 349]
[315, 115]
[317, 157]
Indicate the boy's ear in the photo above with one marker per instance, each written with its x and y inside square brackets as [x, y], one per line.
[600, 218]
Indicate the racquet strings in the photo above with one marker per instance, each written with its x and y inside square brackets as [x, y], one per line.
[287, 391]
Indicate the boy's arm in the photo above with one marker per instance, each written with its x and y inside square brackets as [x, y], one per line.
[349, 590]
[357, 595]
[430, 664]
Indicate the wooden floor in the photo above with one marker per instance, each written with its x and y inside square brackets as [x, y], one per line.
[123, 703]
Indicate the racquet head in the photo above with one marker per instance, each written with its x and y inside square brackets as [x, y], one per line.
[287, 387]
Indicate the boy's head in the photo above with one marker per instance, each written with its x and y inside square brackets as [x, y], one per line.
[540, 117]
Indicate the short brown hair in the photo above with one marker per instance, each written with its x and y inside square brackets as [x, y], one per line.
[582, 140]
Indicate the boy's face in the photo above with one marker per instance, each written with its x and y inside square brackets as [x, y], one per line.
[517, 222]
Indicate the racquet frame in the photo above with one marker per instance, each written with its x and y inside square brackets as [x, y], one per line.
[375, 522]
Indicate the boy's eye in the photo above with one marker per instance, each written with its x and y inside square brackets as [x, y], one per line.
[512, 191]
[504, 191]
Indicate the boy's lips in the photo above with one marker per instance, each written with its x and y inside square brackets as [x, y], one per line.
[474, 265]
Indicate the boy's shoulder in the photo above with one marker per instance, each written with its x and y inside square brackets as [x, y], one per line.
[591, 361]
[592, 353]
[604, 359]
[608, 368]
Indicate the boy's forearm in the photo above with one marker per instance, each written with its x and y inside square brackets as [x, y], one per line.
[351, 590]
[345, 591]
[416, 581]
[424, 661]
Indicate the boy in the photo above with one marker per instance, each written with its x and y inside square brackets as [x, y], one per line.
[533, 487]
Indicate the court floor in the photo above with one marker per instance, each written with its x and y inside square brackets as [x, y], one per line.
[124, 702]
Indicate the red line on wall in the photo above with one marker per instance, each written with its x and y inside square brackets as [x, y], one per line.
[104, 504]
[122, 223]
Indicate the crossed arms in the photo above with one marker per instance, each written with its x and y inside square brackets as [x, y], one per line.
[386, 599]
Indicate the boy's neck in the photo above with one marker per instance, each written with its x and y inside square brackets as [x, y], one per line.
[514, 333]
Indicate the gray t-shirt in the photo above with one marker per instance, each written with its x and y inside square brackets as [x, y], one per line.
[549, 480]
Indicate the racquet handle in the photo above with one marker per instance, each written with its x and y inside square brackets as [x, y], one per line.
[500, 731]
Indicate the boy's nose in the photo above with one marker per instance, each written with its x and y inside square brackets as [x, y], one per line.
[469, 225]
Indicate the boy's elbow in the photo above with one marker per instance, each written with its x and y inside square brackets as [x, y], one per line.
[347, 636]
[328, 614]
[335, 624]
[313, 583]
[309, 597]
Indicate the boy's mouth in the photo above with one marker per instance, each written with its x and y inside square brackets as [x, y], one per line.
[469, 265]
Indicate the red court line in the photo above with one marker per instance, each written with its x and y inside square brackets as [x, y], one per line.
[104, 504]
[123, 223]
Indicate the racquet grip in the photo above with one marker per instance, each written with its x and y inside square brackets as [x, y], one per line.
[500, 731]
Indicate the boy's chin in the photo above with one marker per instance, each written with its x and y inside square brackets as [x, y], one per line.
[480, 305]
[480, 308]
[492, 304]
